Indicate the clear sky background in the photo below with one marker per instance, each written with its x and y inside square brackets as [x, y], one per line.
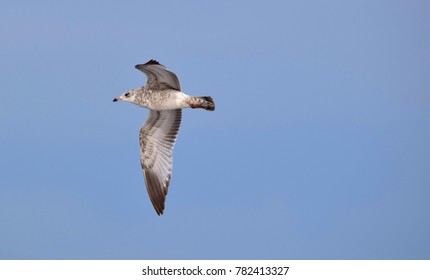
[319, 147]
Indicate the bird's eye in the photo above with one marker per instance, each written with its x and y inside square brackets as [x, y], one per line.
[127, 94]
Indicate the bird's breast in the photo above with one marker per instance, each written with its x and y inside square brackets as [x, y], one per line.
[165, 100]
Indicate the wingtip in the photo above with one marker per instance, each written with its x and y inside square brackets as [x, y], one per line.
[159, 211]
[151, 62]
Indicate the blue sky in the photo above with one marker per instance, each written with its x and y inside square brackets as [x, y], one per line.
[318, 148]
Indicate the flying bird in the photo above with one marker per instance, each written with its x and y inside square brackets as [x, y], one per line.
[163, 97]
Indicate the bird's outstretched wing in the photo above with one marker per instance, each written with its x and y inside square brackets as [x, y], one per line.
[157, 138]
[159, 77]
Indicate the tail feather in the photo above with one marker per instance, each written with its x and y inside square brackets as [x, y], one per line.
[203, 102]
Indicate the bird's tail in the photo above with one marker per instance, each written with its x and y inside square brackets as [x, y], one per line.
[203, 102]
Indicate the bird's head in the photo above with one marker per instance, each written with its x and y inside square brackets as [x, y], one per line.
[129, 96]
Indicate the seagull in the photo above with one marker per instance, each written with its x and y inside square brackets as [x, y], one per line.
[163, 97]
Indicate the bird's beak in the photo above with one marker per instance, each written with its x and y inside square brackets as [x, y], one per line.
[117, 99]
